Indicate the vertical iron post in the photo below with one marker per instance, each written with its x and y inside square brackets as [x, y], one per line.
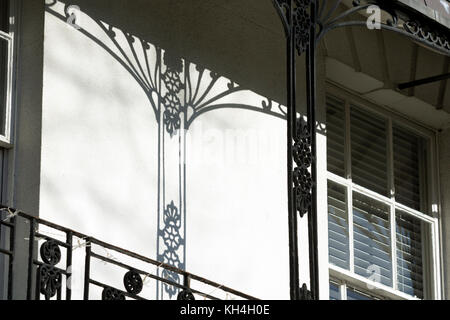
[30, 259]
[291, 124]
[299, 18]
[311, 115]
[87, 269]
[12, 239]
[69, 269]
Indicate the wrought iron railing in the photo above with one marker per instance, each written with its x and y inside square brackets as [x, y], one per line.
[50, 267]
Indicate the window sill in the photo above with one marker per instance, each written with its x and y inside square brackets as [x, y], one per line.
[376, 289]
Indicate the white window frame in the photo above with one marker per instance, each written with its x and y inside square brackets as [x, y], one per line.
[6, 138]
[434, 266]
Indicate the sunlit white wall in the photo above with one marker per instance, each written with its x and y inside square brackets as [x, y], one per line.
[99, 170]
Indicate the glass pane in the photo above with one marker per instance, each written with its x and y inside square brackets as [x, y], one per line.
[335, 136]
[372, 240]
[3, 82]
[356, 295]
[369, 151]
[409, 168]
[338, 237]
[334, 292]
[410, 254]
[4, 15]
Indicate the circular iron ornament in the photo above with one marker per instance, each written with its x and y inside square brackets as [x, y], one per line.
[111, 294]
[302, 146]
[302, 154]
[50, 281]
[186, 295]
[132, 282]
[50, 253]
[303, 187]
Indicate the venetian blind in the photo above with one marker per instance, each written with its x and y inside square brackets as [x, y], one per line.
[372, 240]
[336, 136]
[338, 237]
[410, 273]
[408, 164]
[369, 151]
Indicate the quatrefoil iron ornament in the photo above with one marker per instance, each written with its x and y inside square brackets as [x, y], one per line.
[186, 295]
[50, 281]
[50, 253]
[133, 282]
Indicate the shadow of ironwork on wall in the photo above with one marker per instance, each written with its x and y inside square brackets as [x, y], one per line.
[179, 92]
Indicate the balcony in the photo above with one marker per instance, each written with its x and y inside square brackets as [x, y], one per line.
[50, 257]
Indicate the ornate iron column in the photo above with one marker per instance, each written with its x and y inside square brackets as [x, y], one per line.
[299, 21]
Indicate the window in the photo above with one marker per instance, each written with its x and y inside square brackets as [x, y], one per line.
[6, 71]
[379, 222]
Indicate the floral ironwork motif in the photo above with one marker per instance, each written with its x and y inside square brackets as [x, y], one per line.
[173, 240]
[174, 85]
[303, 159]
[132, 282]
[111, 294]
[302, 23]
[50, 280]
[172, 118]
[186, 295]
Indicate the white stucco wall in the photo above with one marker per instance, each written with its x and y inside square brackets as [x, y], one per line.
[101, 159]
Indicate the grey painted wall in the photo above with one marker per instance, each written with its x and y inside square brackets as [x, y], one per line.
[24, 158]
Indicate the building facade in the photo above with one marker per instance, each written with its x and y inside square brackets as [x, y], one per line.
[144, 150]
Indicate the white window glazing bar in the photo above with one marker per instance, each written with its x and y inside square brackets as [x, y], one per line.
[436, 260]
[348, 190]
[343, 291]
[5, 137]
[391, 186]
[5, 36]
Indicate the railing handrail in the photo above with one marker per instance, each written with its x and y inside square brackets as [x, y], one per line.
[93, 240]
